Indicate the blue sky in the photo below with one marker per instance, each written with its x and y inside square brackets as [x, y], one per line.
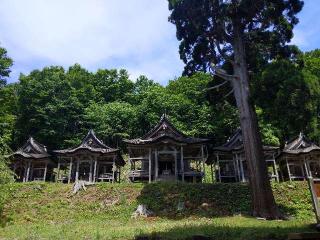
[130, 34]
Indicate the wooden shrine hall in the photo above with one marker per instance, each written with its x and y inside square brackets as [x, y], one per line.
[90, 161]
[230, 163]
[32, 162]
[299, 159]
[165, 153]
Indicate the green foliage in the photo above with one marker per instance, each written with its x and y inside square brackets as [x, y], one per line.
[115, 121]
[208, 30]
[59, 106]
[5, 64]
[289, 97]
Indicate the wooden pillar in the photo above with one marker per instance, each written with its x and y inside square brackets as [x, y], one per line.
[243, 179]
[70, 170]
[28, 171]
[90, 173]
[182, 163]
[288, 168]
[119, 175]
[113, 168]
[238, 167]
[77, 169]
[176, 164]
[25, 172]
[58, 170]
[14, 170]
[95, 169]
[275, 168]
[211, 167]
[203, 164]
[45, 172]
[31, 172]
[219, 172]
[150, 167]
[307, 167]
[156, 167]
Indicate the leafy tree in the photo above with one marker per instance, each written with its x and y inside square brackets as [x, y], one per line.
[113, 121]
[5, 65]
[8, 109]
[7, 117]
[236, 31]
[113, 85]
[289, 96]
[51, 105]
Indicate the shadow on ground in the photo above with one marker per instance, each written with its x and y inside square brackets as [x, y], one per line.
[213, 232]
[179, 200]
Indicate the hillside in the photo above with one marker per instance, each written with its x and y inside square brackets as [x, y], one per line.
[50, 211]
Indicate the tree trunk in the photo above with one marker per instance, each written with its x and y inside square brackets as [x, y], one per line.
[263, 202]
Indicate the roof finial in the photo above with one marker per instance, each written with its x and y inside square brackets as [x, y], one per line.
[301, 134]
[164, 115]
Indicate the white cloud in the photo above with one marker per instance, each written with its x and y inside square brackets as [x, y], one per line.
[90, 32]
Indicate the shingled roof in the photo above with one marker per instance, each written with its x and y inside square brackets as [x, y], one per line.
[299, 145]
[32, 150]
[165, 130]
[90, 143]
[235, 142]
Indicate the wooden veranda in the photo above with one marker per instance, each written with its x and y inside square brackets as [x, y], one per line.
[91, 161]
[32, 162]
[165, 153]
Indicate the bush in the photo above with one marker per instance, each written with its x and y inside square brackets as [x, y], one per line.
[6, 175]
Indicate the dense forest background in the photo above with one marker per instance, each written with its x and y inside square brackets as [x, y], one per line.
[57, 106]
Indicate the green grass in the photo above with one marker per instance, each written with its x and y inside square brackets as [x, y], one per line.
[50, 211]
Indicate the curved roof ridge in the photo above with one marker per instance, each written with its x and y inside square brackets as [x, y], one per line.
[301, 141]
[164, 129]
[163, 120]
[32, 149]
[90, 142]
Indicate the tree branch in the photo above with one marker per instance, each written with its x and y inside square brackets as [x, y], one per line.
[222, 74]
[217, 86]
[228, 94]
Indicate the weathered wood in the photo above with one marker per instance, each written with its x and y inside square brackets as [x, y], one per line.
[315, 201]
[58, 170]
[119, 176]
[182, 163]
[77, 169]
[28, 171]
[90, 172]
[211, 167]
[203, 165]
[25, 172]
[176, 165]
[95, 169]
[70, 170]
[45, 172]
[150, 167]
[113, 168]
[156, 167]
[31, 172]
[219, 171]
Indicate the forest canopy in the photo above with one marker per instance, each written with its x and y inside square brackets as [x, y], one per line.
[57, 106]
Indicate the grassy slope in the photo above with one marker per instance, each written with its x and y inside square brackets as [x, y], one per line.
[48, 210]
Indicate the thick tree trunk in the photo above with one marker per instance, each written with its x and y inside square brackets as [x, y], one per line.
[262, 197]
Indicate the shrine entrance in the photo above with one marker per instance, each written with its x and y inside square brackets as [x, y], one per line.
[166, 166]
